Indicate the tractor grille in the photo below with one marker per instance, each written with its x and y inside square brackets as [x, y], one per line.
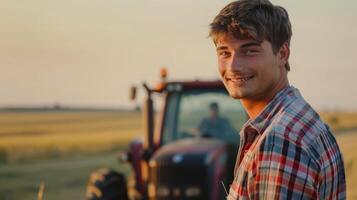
[173, 181]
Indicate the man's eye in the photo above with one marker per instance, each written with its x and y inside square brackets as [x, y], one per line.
[224, 54]
[250, 52]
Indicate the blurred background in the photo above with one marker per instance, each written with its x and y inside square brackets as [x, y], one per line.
[67, 66]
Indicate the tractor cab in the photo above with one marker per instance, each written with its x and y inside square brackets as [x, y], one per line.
[200, 110]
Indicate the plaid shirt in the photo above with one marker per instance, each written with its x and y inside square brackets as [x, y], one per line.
[287, 152]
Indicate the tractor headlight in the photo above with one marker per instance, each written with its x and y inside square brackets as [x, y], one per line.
[163, 191]
[158, 191]
[193, 191]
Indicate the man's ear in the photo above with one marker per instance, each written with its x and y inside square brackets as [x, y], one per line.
[283, 54]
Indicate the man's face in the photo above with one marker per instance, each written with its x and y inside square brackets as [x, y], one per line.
[249, 69]
[214, 113]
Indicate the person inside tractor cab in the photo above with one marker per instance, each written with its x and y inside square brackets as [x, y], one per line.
[215, 126]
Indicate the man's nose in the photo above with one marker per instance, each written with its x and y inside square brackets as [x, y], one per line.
[235, 63]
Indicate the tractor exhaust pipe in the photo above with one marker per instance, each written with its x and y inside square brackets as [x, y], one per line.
[149, 118]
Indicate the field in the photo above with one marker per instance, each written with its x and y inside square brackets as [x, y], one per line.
[61, 149]
[38, 135]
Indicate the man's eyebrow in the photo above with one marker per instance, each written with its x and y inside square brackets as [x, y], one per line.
[249, 44]
[221, 48]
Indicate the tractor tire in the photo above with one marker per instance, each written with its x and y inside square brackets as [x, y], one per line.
[106, 184]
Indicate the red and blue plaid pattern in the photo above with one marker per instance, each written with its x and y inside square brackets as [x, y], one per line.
[291, 155]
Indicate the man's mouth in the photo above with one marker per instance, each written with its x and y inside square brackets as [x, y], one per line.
[239, 79]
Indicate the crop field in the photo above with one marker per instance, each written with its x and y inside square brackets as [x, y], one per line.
[39, 135]
[61, 148]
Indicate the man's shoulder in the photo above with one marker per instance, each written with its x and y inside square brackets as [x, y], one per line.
[299, 124]
[298, 130]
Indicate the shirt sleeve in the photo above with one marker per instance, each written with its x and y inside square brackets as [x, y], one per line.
[283, 170]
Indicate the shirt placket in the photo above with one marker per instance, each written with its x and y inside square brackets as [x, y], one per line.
[240, 149]
[248, 142]
[250, 136]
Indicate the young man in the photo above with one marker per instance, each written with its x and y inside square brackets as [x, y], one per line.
[286, 151]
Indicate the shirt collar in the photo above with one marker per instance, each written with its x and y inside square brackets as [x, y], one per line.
[280, 100]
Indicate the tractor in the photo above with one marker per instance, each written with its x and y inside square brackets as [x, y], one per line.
[183, 156]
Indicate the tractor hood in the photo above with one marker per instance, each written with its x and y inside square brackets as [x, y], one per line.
[190, 152]
[188, 169]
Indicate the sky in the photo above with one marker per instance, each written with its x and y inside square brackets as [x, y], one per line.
[89, 52]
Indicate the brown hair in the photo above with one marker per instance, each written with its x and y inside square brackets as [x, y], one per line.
[256, 19]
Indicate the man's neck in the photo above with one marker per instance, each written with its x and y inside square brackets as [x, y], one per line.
[254, 107]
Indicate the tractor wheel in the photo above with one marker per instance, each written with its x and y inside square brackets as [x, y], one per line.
[106, 184]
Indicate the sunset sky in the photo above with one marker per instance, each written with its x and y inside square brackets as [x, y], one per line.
[89, 52]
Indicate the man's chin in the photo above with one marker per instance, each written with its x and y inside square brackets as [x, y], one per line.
[235, 91]
[236, 95]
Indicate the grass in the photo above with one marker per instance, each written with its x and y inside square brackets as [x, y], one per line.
[62, 148]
